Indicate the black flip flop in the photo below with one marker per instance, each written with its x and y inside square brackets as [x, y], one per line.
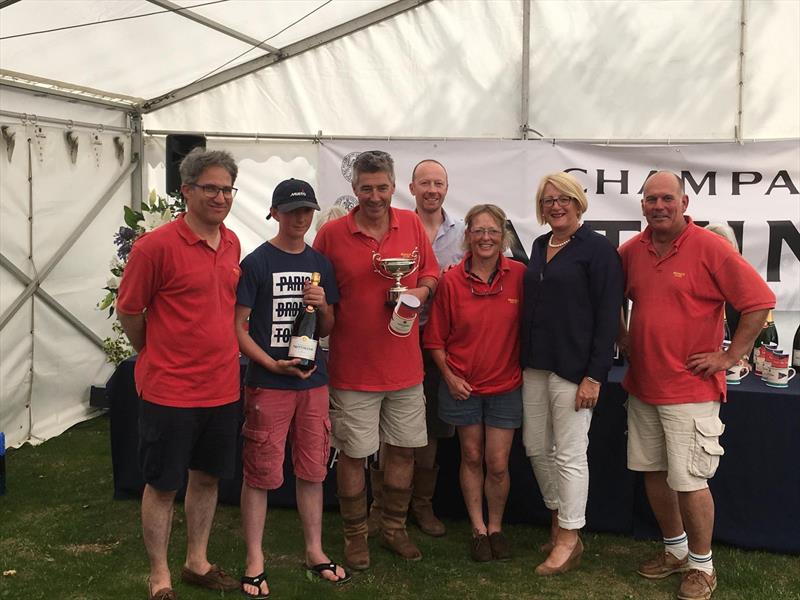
[255, 582]
[318, 570]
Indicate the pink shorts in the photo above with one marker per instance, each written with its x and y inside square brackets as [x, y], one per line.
[273, 415]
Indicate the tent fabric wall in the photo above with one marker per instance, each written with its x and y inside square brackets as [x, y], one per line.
[44, 357]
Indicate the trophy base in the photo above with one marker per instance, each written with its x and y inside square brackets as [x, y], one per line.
[393, 295]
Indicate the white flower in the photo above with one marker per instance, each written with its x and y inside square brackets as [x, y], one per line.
[156, 219]
[115, 263]
[113, 282]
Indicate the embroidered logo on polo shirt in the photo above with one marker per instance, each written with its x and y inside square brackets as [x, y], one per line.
[513, 300]
[236, 271]
[678, 274]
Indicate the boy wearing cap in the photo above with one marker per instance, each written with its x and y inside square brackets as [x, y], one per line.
[280, 399]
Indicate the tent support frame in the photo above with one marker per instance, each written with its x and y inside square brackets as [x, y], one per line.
[51, 302]
[314, 41]
[320, 138]
[742, 45]
[137, 157]
[41, 275]
[198, 18]
[526, 63]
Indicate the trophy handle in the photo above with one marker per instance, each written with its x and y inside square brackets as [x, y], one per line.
[376, 265]
[415, 256]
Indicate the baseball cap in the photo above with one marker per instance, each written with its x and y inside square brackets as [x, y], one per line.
[293, 193]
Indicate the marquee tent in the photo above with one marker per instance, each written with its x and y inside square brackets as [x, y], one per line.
[90, 88]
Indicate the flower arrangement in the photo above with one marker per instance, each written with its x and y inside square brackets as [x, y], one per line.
[156, 211]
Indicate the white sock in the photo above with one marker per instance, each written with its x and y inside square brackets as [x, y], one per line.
[701, 562]
[677, 546]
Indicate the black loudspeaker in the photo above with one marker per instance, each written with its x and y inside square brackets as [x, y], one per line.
[178, 146]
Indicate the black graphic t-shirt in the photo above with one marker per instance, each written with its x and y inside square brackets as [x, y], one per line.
[271, 285]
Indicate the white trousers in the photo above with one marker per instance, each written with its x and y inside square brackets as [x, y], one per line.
[556, 438]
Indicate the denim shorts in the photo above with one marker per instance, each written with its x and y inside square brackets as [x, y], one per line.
[503, 411]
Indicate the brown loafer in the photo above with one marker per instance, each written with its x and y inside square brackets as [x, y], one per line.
[501, 547]
[479, 548]
[214, 579]
[164, 594]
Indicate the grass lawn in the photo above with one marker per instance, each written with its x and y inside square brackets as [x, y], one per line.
[66, 538]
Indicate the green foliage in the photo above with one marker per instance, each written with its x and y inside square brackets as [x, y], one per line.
[156, 211]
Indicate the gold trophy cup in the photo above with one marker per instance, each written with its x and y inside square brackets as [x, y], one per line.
[395, 268]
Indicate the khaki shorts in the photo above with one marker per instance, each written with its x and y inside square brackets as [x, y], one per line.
[360, 421]
[681, 439]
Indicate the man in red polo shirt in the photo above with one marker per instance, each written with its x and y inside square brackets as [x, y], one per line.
[176, 304]
[679, 277]
[375, 376]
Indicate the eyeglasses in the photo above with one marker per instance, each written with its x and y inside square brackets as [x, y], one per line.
[479, 232]
[489, 292]
[562, 201]
[211, 191]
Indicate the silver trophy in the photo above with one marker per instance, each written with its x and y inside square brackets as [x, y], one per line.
[395, 268]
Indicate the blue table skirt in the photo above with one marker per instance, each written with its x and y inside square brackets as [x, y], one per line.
[756, 488]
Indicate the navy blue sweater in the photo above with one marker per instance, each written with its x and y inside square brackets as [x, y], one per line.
[571, 307]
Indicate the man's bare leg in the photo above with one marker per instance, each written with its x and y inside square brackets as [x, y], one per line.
[200, 505]
[157, 509]
[664, 502]
[697, 510]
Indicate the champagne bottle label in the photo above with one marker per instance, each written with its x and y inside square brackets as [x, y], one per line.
[303, 347]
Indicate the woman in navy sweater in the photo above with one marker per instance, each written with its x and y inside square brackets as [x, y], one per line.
[573, 290]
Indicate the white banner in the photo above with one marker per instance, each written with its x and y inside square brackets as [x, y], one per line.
[752, 187]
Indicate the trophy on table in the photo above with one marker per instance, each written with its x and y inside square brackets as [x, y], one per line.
[395, 268]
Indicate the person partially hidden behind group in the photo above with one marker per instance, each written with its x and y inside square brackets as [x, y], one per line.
[473, 336]
[573, 296]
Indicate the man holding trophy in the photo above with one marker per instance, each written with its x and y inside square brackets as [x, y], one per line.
[380, 254]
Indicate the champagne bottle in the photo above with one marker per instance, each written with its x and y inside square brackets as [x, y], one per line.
[303, 344]
[726, 330]
[796, 349]
[767, 335]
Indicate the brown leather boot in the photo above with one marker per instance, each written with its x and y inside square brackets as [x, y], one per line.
[376, 510]
[394, 536]
[354, 517]
[421, 509]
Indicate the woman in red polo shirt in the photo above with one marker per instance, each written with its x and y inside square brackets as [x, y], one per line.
[473, 335]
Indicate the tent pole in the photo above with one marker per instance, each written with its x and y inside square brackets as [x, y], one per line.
[742, 39]
[137, 157]
[526, 63]
[68, 122]
[319, 138]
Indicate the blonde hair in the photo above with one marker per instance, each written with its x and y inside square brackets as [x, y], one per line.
[329, 214]
[565, 184]
[493, 211]
[725, 231]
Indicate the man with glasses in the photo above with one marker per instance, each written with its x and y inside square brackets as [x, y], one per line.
[176, 304]
[375, 376]
[679, 277]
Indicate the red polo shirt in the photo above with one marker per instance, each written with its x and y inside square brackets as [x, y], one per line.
[191, 356]
[678, 307]
[364, 356]
[477, 324]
